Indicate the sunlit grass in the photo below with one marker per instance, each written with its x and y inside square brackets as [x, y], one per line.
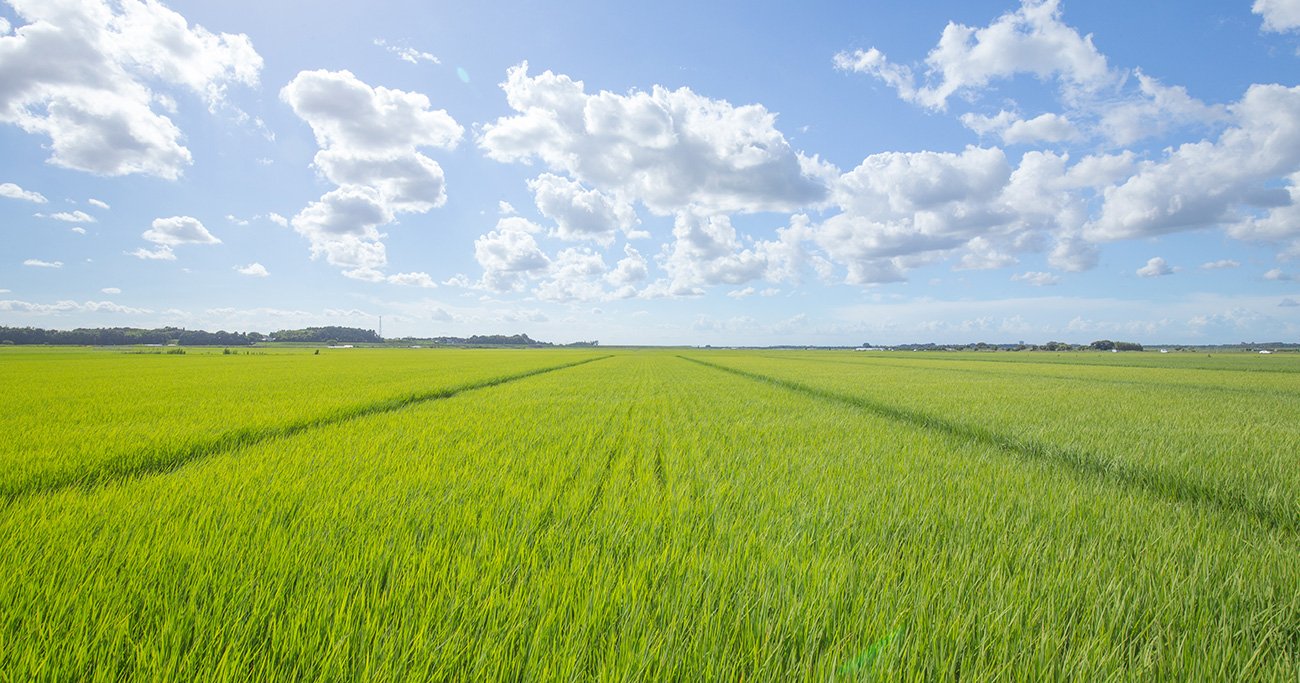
[642, 516]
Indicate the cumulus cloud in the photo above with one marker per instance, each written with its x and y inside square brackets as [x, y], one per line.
[412, 280]
[37, 263]
[580, 213]
[1279, 15]
[628, 273]
[278, 219]
[1278, 224]
[98, 203]
[1155, 267]
[407, 54]
[509, 254]
[1153, 110]
[706, 250]
[68, 307]
[369, 140]
[575, 274]
[69, 217]
[1036, 278]
[1220, 264]
[1034, 40]
[1031, 40]
[1201, 184]
[160, 253]
[12, 191]
[177, 230]
[253, 269]
[668, 149]
[1278, 275]
[901, 210]
[81, 74]
[1049, 128]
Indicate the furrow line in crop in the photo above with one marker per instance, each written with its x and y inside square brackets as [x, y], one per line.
[1160, 384]
[163, 461]
[1277, 516]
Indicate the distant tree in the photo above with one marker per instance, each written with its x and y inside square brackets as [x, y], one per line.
[1127, 346]
[332, 334]
[1103, 345]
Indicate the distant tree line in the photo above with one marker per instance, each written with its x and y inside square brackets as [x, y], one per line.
[1099, 345]
[491, 340]
[328, 334]
[121, 336]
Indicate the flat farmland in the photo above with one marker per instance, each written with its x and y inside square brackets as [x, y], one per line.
[677, 514]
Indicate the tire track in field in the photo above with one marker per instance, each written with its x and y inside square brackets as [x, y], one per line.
[164, 461]
[1154, 482]
[871, 362]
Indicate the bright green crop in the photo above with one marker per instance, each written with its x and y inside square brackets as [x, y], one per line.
[670, 515]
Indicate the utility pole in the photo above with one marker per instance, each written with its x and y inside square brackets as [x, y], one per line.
[381, 328]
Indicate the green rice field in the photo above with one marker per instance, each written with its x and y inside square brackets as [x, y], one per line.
[663, 514]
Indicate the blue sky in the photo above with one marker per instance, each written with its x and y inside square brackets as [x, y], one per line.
[703, 173]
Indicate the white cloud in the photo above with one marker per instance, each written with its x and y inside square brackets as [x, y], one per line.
[630, 271]
[575, 274]
[407, 54]
[1278, 224]
[1155, 267]
[37, 263]
[509, 254]
[111, 290]
[176, 230]
[580, 213]
[668, 149]
[1100, 101]
[231, 218]
[278, 219]
[1050, 128]
[741, 293]
[413, 280]
[160, 253]
[1277, 275]
[707, 251]
[81, 74]
[79, 230]
[1153, 110]
[1220, 264]
[12, 191]
[904, 209]
[1201, 184]
[1288, 303]
[343, 227]
[98, 203]
[505, 208]
[69, 217]
[1279, 15]
[69, 307]
[369, 139]
[254, 269]
[1036, 278]
[1031, 40]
